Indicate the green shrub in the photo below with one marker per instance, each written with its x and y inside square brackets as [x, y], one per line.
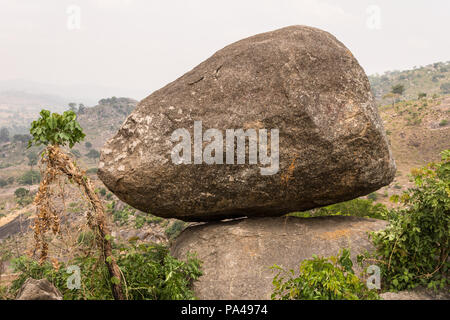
[86, 239]
[373, 196]
[21, 192]
[443, 123]
[174, 229]
[23, 196]
[144, 218]
[93, 154]
[120, 216]
[356, 207]
[29, 178]
[3, 183]
[4, 293]
[445, 88]
[76, 153]
[102, 192]
[414, 247]
[140, 221]
[56, 129]
[320, 278]
[92, 171]
[150, 273]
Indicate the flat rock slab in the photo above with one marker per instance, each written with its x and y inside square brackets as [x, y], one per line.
[237, 254]
[298, 80]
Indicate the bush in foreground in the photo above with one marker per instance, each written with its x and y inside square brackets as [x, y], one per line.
[320, 278]
[149, 272]
[413, 250]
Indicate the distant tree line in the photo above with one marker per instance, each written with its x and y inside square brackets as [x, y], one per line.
[79, 110]
[5, 136]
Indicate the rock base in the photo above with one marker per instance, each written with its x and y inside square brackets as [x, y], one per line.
[237, 255]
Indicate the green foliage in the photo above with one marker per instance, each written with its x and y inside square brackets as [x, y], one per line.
[445, 88]
[88, 145]
[421, 95]
[443, 123]
[4, 135]
[72, 106]
[92, 171]
[140, 221]
[23, 196]
[3, 182]
[398, 89]
[320, 278]
[93, 154]
[120, 216]
[5, 165]
[373, 196]
[414, 118]
[22, 138]
[414, 247]
[174, 229]
[86, 239]
[76, 153]
[29, 178]
[56, 129]
[21, 192]
[356, 207]
[102, 192]
[150, 273]
[4, 293]
[32, 158]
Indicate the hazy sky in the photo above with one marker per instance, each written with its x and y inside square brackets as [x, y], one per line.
[140, 45]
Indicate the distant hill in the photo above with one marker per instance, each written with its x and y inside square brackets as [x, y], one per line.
[81, 93]
[102, 121]
[418, 130]
[99, 123]
[433, 79]
[21, 100]
[18, 108]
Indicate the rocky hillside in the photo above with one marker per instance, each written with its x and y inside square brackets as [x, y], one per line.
[99, 124]
[433, 79]
[102, 121]
[418, 130]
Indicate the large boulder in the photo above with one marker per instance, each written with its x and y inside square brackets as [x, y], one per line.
[237, 255]
[299, 80]
[33, 289]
